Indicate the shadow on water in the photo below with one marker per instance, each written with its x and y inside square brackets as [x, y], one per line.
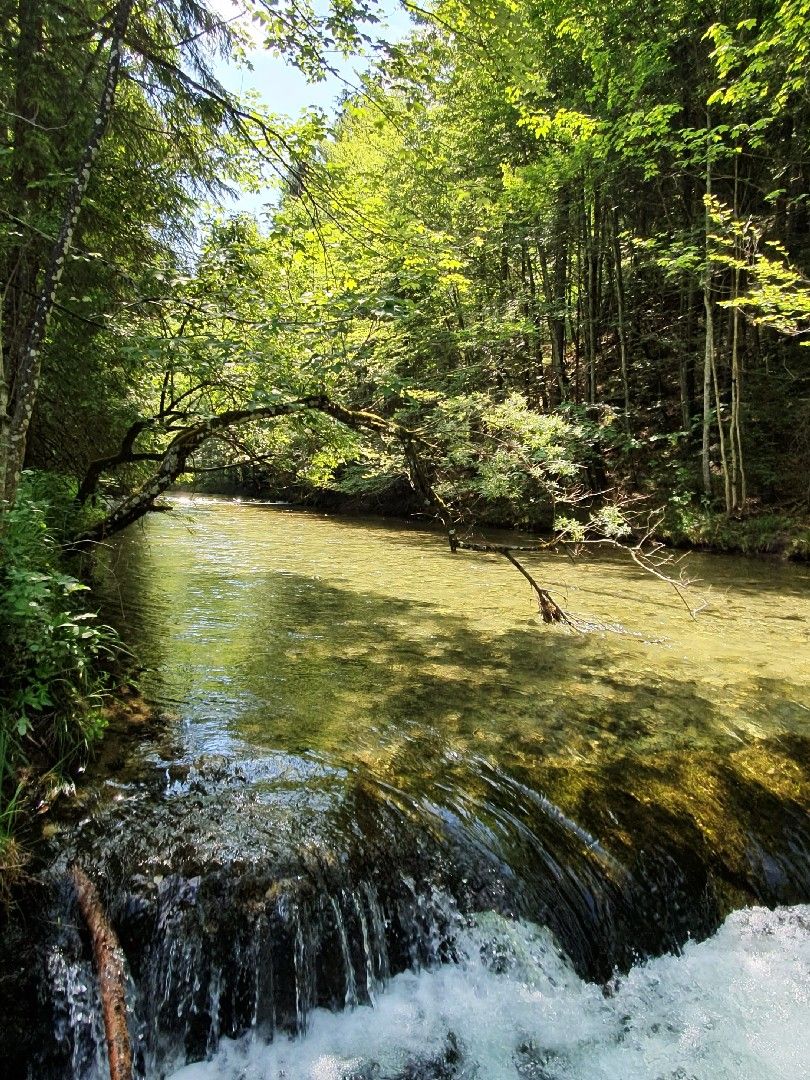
[650, 788]
[347, 767]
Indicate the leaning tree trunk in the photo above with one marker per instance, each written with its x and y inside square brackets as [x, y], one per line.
[26, 378]
[174, 461]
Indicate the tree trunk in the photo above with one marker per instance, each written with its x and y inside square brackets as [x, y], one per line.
[536, 387]
[722, 435]
[738, 482]
[23, 395]
[708, 354]
[556, 324]
[620, 325]
[108, 960]
[18, 272]
[687, 360]
[738, 463]
[590, 223]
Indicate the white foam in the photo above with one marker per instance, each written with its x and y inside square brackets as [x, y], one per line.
[735, 1007]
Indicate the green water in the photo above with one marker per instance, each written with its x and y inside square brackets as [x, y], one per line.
[366, 645]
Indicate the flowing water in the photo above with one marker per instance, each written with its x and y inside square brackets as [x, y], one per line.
[389, 825]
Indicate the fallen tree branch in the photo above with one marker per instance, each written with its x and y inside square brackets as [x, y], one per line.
[174, 460]
[550, 610]
[108, 959]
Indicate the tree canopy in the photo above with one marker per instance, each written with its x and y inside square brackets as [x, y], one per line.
[567, 246]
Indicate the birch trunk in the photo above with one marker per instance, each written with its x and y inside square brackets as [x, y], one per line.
[21, 399]
[708, 355]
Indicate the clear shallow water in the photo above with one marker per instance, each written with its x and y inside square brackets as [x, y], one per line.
[360, 729]
[282, 626]
[368, 646]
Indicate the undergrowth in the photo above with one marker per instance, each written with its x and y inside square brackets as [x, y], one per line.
[768, 533]
[56, 656]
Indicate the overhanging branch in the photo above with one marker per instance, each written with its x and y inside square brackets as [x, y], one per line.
[174, 460]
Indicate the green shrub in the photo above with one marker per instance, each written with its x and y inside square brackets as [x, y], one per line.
[55, 652]
[764, 533]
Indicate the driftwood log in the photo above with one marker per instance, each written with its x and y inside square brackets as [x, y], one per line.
[109, 964]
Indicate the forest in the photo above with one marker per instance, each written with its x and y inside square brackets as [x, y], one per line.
[566, 247]
[546, 267]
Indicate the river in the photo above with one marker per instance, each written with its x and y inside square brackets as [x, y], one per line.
[390, 825]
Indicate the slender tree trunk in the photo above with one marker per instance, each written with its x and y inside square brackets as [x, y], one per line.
[687, 364]
[576, 337]
[26, 377]
[556, 322]
[620, 326]
[727, 490]
[5, 419]
[538, 375]
[591, 227]
[741, 485]
[738, 482]
[708, 354]
[504, 281]
[682, 367]
[708, 363]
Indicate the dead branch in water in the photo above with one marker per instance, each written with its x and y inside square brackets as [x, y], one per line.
[109, 964]
[550, 610]
[651, 556]
[187, 433]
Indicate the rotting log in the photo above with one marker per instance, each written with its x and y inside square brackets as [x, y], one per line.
[109, 962]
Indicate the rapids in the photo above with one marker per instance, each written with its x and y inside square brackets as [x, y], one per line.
[512, 1007]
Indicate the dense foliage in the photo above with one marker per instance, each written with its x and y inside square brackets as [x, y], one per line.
[564, 244]
[535, 223]
[57, 658]
[602, 211]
